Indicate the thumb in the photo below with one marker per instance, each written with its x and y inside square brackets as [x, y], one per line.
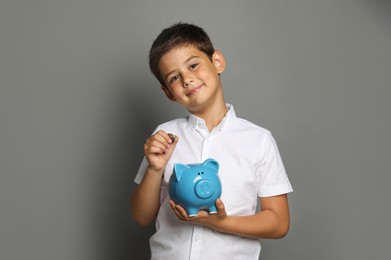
[220, 206]
[175, 141]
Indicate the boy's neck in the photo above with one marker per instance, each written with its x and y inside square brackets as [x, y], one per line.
[213, 115]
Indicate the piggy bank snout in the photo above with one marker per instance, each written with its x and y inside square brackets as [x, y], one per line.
[204, 189]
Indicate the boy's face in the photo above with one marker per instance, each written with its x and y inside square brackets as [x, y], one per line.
[191, 78]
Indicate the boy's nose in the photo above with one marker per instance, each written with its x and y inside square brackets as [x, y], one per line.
[187, 79]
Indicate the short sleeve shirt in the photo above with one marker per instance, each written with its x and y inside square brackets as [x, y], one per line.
[250, 166]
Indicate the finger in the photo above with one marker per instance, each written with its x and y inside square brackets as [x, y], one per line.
[159, 140]
[160, 137]
[175, 207]
[177, 212]
[170, 147]
[159, 144]
[220, 206]
[169, 137]
[165, 137]
[154, 148]
[172, 204]
[219, 203]
[173, 138]
[183, 213]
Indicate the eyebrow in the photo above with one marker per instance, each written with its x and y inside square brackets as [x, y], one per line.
[186, 61]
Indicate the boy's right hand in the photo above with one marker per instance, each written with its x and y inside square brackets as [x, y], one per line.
[158, 150]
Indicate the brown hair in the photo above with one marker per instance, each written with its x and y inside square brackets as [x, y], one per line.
[180, 34]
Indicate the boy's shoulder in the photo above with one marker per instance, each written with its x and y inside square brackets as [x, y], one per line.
[247, 125]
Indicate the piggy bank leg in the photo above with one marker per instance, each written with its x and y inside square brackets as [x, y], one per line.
[192, 212]
[212, 209]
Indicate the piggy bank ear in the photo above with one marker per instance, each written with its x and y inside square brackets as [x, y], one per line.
[179, 170]
[212, 164]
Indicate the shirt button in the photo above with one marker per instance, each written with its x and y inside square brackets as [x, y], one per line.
[197, 238]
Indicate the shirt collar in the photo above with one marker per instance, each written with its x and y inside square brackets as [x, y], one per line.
[197, 122]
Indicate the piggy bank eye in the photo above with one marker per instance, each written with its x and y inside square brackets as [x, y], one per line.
[202, 172]
[199, 173]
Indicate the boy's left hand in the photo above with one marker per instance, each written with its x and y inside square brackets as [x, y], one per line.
[215, 221]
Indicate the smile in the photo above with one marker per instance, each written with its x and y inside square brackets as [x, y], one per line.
[193, 91]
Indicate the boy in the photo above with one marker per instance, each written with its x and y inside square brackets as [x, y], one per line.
[188, 68]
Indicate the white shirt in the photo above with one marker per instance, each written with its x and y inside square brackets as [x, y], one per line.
[250, 166]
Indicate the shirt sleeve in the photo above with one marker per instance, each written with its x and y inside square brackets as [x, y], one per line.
[141, 171]
[143, 166]
[271, 175]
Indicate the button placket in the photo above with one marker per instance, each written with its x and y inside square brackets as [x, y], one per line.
[205, 148]
[196, 245]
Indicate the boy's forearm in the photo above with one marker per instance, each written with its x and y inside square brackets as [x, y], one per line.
[265, 224]
[271, 222]
[145, 200]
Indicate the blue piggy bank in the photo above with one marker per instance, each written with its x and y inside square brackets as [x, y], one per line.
[195, 186]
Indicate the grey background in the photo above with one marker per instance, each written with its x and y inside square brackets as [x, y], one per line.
[77, 101]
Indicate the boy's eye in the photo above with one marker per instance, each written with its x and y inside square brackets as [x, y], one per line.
[175, 77]
[193, 66]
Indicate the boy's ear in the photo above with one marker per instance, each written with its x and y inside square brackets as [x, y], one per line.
[167, 92]
[219, 61]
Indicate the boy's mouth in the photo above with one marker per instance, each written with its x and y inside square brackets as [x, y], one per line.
[193, 90]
